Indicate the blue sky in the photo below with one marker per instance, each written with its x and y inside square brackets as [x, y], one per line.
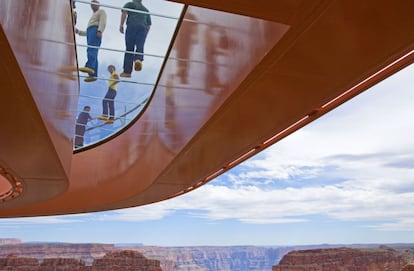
[346, 178]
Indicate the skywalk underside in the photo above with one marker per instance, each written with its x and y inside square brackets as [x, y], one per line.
[254, 72]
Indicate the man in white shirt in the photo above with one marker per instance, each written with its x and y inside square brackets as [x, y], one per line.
[93, 33]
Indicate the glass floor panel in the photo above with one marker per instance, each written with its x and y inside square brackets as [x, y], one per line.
[132, 93]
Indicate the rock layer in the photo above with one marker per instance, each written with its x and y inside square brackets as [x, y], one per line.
[342, 259]
[114, 261]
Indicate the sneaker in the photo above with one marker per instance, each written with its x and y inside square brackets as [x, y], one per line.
[90, 79]
[124, 74]
[109, 121]
[138, 65]
[102, 117]
[87, 70]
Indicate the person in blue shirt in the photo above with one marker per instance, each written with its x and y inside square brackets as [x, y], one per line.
[81, 122]
[138, 24]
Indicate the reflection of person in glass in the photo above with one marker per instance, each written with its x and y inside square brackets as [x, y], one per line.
[108, 101]
[81, 122]
[138, 25]
[216, 43]
[74, 13]
[184, 42]
[93, 33]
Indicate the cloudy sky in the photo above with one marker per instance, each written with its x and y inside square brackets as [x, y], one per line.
[346, 178]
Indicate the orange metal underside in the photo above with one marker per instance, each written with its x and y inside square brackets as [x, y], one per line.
[287, 63]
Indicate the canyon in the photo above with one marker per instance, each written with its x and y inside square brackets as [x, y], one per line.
[341, 259]
[87, 257]
[119, 260]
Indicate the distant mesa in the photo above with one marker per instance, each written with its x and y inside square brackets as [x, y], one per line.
[126, 260]
[21, 256]
[120, 261]
[9, 241]
[342, 259]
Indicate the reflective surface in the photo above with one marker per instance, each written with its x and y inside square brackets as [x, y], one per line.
[40, 101]
[231, 86]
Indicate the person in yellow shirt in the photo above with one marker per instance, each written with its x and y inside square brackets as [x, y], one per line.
[93, 33]
[108, 105]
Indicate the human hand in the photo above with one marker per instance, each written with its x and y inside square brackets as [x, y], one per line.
[121, 29]
[99, 34]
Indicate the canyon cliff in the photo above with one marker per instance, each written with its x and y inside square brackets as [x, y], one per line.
[240, 258]
[9, 241]
[113, 261]
[40, 251]
[206, 258]
[343, 259]
[82, 257]
[125, 260]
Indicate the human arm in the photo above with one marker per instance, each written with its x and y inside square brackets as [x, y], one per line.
[102, 23]
[80, 32]
[148, 21]
[123, 18]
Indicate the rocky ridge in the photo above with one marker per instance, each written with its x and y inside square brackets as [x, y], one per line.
[241, 258]
[212, 258]
[343, 259]
[40, 251]
[9, 241]
[113, 261]
[208, 258]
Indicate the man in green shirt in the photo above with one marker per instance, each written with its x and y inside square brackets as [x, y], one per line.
[138, 23]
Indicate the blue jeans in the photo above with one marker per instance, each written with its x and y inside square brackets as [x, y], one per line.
[92, 53]
[79, 133]
[135, 36]
[108, 103]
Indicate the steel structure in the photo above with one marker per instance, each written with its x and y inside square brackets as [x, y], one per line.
[256, 72]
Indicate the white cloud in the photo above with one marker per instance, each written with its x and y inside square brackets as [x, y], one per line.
[257, 206]
[144, 213]
[43, 220]
[405, 224]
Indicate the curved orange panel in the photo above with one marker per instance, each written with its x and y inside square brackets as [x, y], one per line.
[37, 67]
[230, 84]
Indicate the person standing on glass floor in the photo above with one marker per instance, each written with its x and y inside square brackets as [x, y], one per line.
[96, 26]
[81, 122]
[138, 23]
[108, 105]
